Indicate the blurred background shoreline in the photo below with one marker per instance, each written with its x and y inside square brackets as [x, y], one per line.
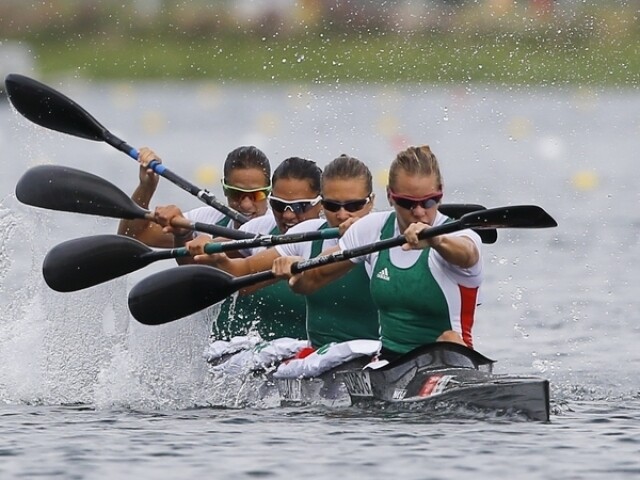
[498, 42]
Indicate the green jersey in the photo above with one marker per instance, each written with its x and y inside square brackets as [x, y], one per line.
[273, 312]
[343, 310]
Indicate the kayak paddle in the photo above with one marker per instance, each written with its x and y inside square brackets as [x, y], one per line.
[51, 109]
[456, 210]
[175, 293]
[69, 190]
[85, 262]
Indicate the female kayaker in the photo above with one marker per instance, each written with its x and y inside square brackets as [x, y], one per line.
[246, 185]
[428, 289]
[274, 311]
[332, 315]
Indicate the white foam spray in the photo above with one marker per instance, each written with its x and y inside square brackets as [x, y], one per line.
[83, 347]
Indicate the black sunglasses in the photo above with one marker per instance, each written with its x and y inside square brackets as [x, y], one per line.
[351, 206]
[409, 203]
[296, 206]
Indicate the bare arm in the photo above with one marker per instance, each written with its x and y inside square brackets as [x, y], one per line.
[456, 249]
[313, 279]
[146, 231]
[238, 267]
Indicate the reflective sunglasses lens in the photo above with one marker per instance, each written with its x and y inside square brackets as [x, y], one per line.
[260, 195]
[405, 203]
[331, 206]
[296, 207]
[410, 203]
[356, 205]
[238, 195]
[351, 207]
[430, 203]
[277, 205]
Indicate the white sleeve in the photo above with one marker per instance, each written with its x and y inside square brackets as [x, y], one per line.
[472, 276]
[363, 232]
[260, 225]
[300, 249]
[207, 215]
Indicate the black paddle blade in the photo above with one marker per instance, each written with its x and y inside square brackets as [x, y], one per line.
[51, 109]
[456, 210]
[517, 216]
[178, 292]
[69, 190]
[85, 262]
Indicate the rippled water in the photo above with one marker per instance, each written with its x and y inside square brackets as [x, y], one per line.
[88, 393]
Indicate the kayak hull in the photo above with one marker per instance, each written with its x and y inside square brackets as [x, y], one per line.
[447, 373]
[327, 389]
[428, 379]
[501, 393]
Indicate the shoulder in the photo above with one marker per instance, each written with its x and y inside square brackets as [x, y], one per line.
[204, 215]
[467, 232]
[370, 225]
[366, 230]
[374, 220]
[262, 225]
[307, 226]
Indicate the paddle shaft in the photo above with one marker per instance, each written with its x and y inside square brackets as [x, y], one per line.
[215, 230]
[519, 216]
[203, 195]
[160, 169]
[85, 262]
[299, 267]
[194, 287]
[271, 240]
[67, 189]
[374, 247]
[265, 241]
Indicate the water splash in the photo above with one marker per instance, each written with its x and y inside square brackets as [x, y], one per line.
[84, 347]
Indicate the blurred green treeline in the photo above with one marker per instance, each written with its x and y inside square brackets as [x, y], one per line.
[504, 42]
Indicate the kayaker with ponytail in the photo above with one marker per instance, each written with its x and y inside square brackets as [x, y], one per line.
[425, 291]
[332, 313]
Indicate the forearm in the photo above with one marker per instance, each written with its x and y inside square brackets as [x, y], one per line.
[458, 250]
[259, 262]
[136, 228]
[142, 195]
[179, 241]
[316, 278]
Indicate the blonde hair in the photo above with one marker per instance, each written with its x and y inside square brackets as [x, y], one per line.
[415, 161]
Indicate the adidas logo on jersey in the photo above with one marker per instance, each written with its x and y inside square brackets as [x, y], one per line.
[383, 274]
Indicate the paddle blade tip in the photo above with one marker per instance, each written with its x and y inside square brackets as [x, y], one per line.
[89, 261]
[51, 109]
[64, 280]
[60, 281]
[177, 293]
[515, 216]
[20, 90]
[12, 80]
[540, 218]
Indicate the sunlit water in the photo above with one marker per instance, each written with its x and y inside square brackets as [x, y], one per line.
[89, 393]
